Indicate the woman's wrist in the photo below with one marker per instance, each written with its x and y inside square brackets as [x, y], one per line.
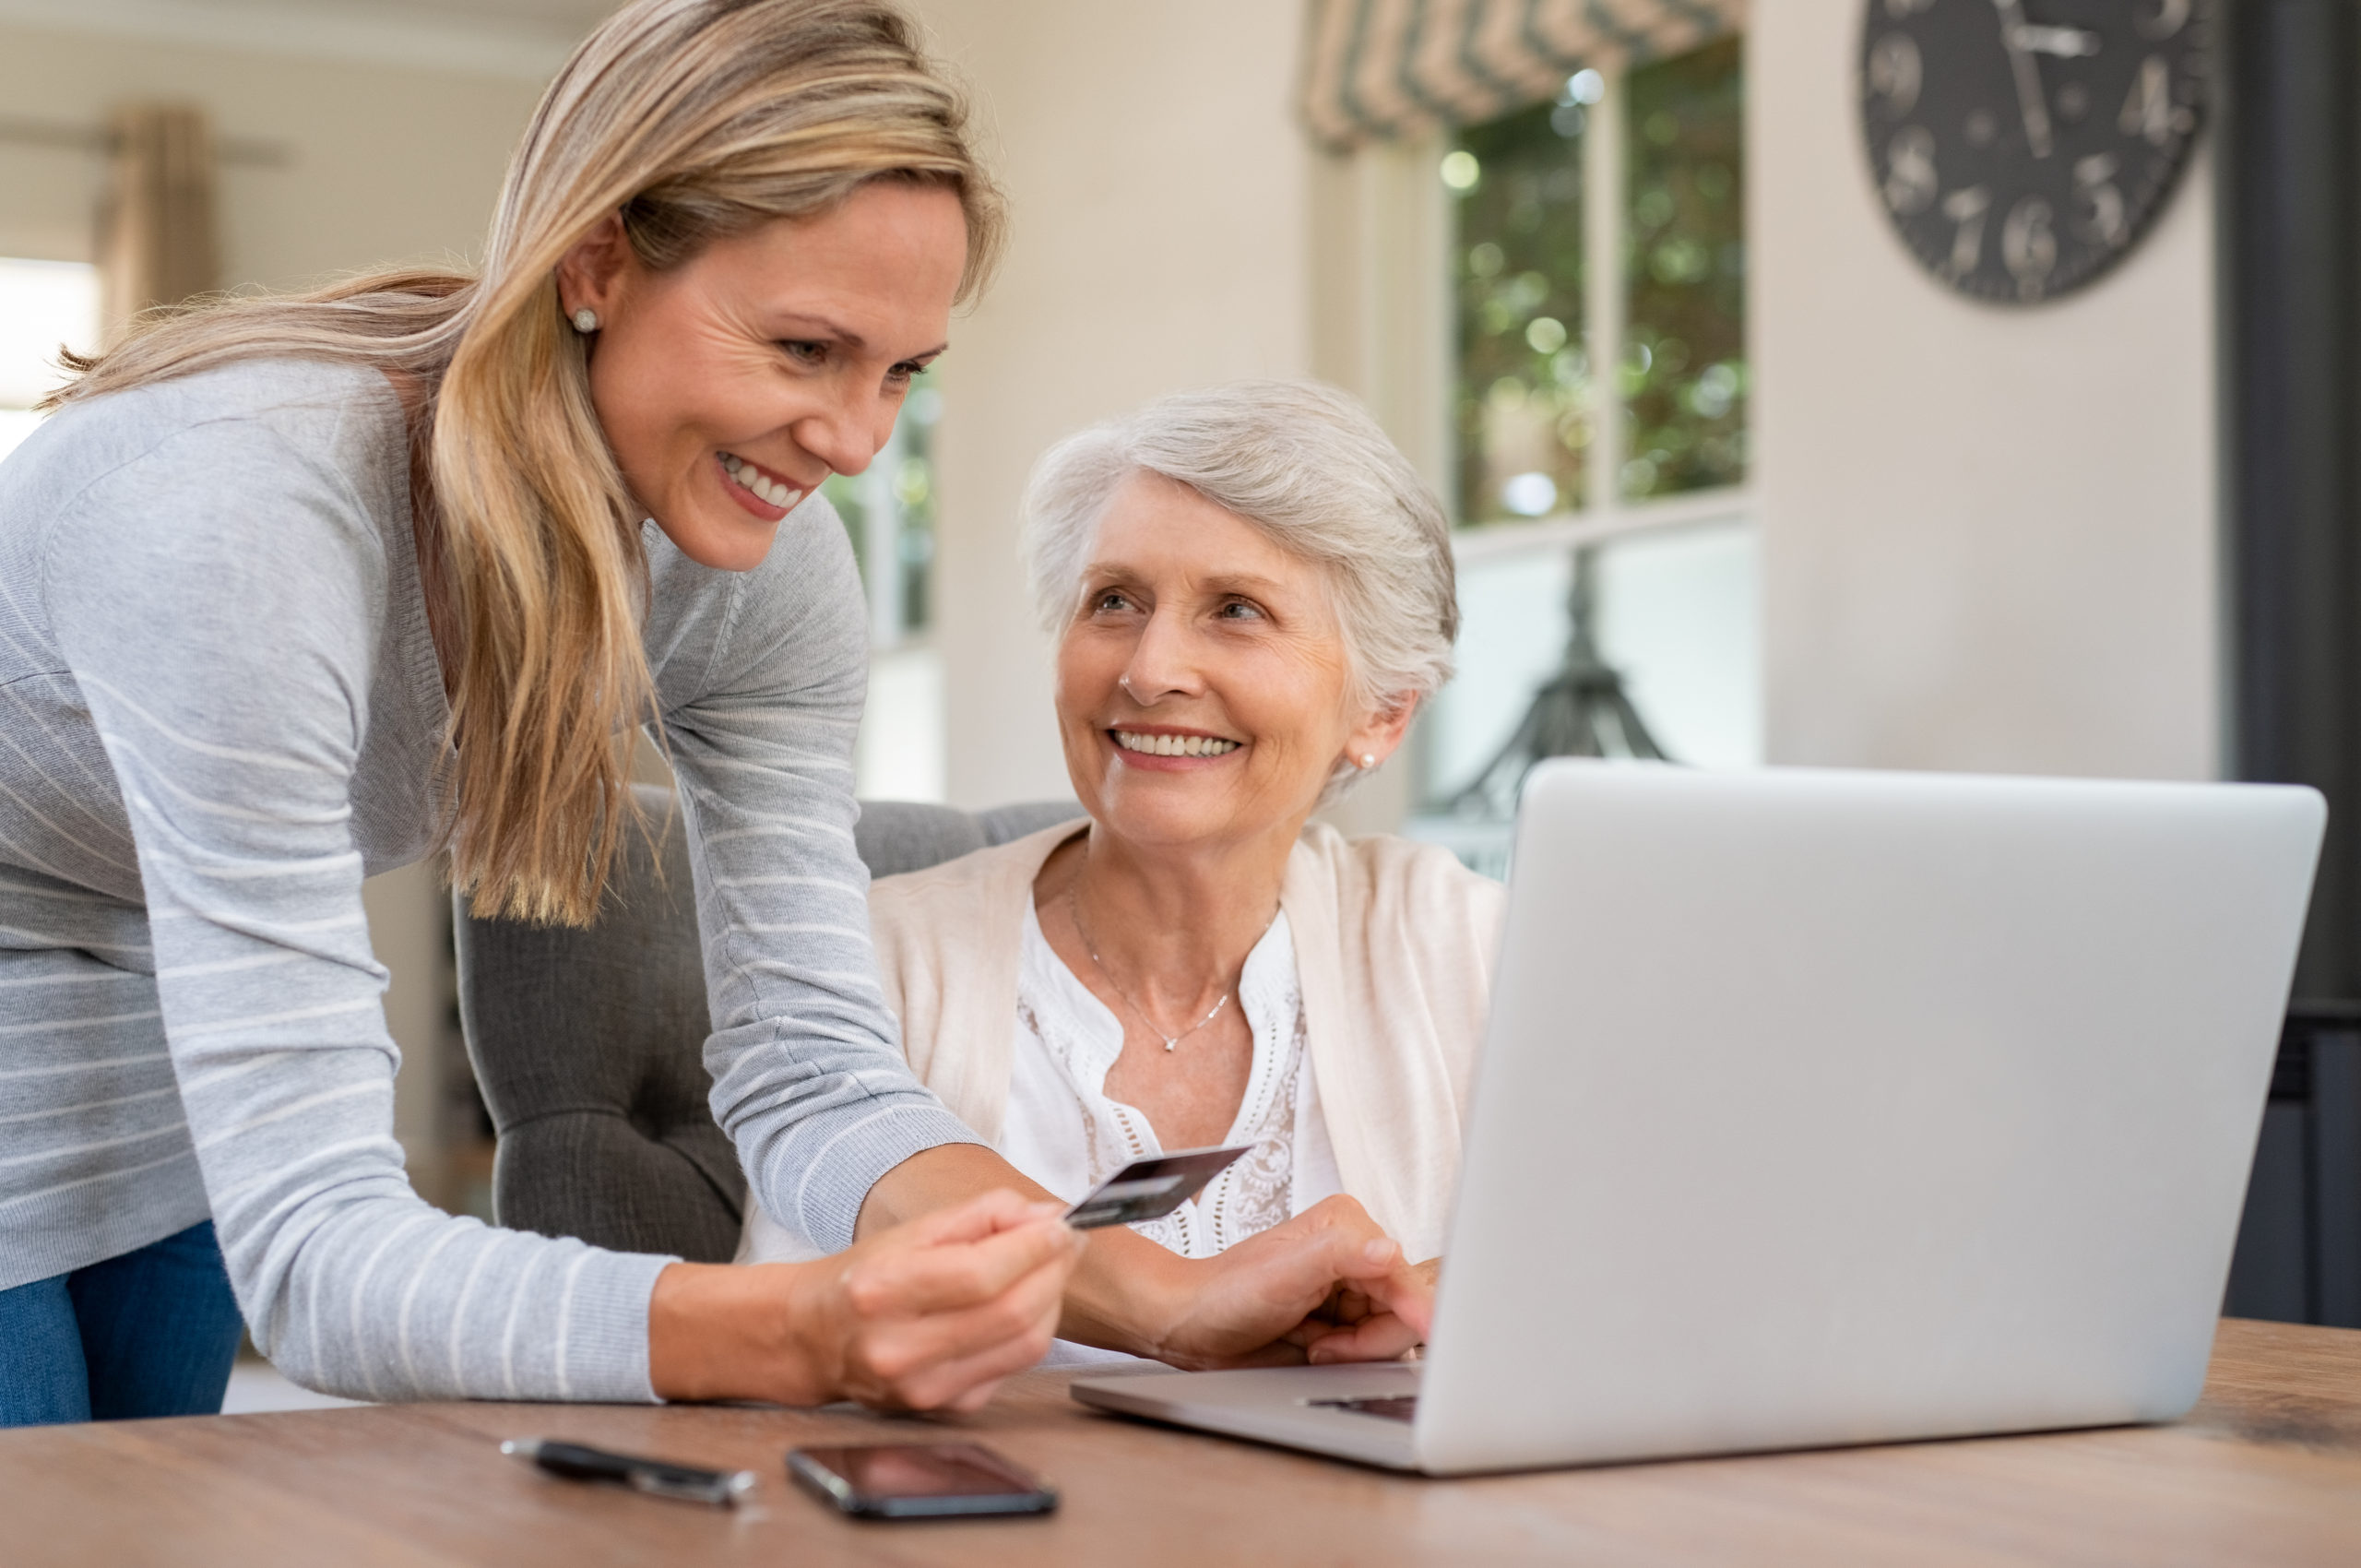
[718, 1332]
[1128, 1294]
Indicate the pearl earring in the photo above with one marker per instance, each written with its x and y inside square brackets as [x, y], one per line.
[1369, 760]
[586, 321]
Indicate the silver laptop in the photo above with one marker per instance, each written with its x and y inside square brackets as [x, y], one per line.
[1826, 1107]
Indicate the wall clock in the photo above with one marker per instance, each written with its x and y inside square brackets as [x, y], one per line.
[2024, 146]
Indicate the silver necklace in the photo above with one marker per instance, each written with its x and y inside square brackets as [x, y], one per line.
[1073, 908]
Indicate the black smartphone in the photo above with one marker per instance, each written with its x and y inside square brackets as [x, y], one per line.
[920, 1480]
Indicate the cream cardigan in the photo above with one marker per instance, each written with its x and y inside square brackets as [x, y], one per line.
[1393, 942]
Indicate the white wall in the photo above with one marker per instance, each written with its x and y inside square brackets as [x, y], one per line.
[1160, 191]
[385, 163]
[1989, 534]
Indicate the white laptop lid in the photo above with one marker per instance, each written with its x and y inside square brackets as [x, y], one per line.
[1827, 1107]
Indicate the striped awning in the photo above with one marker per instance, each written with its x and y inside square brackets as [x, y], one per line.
[1383, 68]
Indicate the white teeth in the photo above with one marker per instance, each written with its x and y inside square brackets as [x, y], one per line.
[752, 480]
[1174, 745]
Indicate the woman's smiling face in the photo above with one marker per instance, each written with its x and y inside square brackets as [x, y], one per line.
[1203, 691]
[731, 386]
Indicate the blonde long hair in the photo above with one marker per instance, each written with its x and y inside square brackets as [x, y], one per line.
[696, 120]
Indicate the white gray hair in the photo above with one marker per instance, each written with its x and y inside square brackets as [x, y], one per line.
[1307, 466]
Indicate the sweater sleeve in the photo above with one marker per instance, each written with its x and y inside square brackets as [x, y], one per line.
[807, 1074]
[219, 602]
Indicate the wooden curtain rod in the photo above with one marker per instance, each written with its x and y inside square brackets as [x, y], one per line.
[17, 131]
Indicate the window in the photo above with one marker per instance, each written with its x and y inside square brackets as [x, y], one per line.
[44, 305]
[889, 511]
[1598, 269]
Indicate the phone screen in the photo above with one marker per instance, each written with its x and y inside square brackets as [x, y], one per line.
[911, 1479]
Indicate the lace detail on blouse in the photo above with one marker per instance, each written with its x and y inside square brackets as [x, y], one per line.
[1073, 1035]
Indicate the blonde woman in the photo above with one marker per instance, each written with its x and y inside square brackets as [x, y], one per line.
[1252, 591]
[292, 591]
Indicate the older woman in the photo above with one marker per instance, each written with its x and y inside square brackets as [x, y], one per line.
[1251, 592]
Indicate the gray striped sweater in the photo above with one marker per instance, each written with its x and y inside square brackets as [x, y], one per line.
[219, 710]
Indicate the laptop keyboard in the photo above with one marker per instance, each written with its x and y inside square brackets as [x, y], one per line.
[1392, 1407]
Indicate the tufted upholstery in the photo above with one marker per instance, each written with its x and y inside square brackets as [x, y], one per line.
[587, 1045]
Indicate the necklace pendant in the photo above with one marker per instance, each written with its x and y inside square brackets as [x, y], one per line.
[1170, 1043]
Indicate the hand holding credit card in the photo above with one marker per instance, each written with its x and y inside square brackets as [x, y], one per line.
[1150, 1189]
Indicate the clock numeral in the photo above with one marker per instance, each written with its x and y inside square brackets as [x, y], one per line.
[1910, 181]
[2170, 17]
[2102, 218]
[2149, 111]
[1967, 208]
[1895, 73]
[2028, 245]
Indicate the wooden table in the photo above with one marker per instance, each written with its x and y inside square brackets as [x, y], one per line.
[2267, 1470]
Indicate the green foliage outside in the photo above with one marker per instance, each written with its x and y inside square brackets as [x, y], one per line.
[1523, 402]
[1523, 405]
[1684, 375]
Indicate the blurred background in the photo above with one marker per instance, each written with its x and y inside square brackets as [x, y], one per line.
[1743, 471]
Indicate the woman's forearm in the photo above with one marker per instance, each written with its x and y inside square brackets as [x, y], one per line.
[938, 1178]
[715, 1332]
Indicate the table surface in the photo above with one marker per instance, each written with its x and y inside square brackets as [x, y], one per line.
[2266, 1470]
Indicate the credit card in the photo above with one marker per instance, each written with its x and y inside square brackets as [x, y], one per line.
[1150, 1189]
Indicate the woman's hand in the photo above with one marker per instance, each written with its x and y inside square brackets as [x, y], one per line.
[1377, 1322]
[1326, 1286]
[923, 1316]
[932, 1315]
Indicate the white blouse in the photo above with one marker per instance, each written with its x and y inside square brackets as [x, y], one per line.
[1064, 1131]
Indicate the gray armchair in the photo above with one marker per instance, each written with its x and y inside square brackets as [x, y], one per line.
[587, 1045]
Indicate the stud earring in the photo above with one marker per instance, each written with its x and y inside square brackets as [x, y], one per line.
[1369, 760]
[586, 321]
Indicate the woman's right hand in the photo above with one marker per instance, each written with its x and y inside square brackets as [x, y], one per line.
[927, 1315]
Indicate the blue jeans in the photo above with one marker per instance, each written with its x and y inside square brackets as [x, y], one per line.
[151, 1332]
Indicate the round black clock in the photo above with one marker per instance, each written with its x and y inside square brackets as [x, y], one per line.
[2023, 146]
